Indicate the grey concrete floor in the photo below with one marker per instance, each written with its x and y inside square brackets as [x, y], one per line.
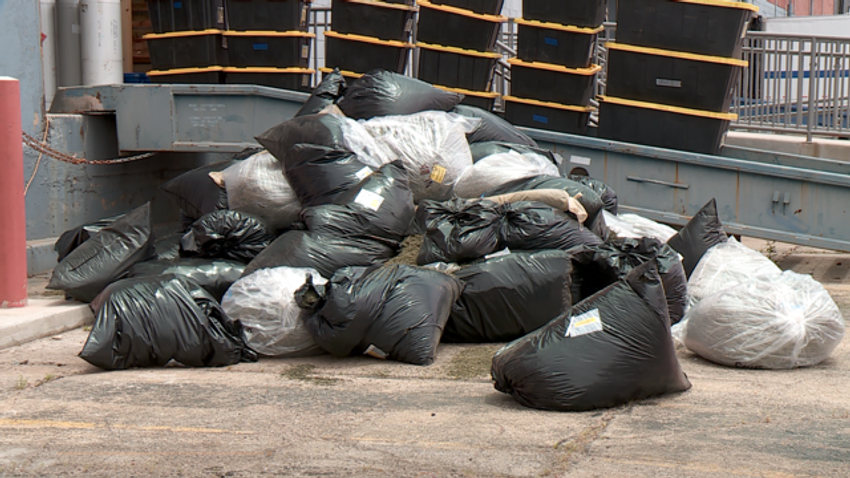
[323, 416]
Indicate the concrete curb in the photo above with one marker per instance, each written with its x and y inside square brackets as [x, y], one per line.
[41, 318]
[40, 256]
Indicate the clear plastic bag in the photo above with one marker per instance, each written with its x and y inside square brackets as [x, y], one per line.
[633, 226]
[773, 322]
[498, 169]
[264, 302]
[257, 186]
[432, 145]
[727, 265]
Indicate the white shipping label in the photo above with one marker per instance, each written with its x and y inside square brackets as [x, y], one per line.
[585, 323]
[364, 173]
[369, 200]
[584, 161]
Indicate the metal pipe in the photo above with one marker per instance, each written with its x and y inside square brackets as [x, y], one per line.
[13, 219]
[102, 49]
[68, 60]
[47, 9]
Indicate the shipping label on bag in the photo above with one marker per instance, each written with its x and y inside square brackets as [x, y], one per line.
[364, 173]
[585, 323]
[438, 174]
[369, 200]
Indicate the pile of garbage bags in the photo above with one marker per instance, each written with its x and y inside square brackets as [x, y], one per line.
[384, 219]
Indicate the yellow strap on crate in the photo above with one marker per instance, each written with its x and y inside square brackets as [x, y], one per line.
[459, 51]
[378, 3]
[184, 71]
[191, 33]
[261, 69]
[365, 39]
[676, 54]
[464, 12]
[669, 109]
[478, 94]
[594, 69]
[547, 104]
[558, 26]
[722, 3]
[342, 72]
[258, 33]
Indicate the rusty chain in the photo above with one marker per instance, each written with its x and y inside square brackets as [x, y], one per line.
[47, 150]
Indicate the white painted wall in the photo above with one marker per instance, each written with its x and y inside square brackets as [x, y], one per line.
[831, 25]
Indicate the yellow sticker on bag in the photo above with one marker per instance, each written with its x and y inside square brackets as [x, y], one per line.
[438, 174]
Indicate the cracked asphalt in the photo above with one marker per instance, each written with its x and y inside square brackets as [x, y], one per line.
[323, 416]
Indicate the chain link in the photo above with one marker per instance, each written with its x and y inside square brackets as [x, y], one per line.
[48, 151]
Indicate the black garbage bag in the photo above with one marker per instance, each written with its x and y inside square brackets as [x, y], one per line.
[458, 230]
[700, 234]
[384, 93]
[73, 238]
[610, 349]
[534, 226]
[608, 196]
[315, 159]
[168, 247]
[589, 199]
[600, 266]
[380, 206]
[396, 312]
[106, 256]
[483, 149]
[327, 93]
[492, 127]
[227, 234]
[214, 275]
[149, 321]
[196, 193]
[509, 296]
[323, 253]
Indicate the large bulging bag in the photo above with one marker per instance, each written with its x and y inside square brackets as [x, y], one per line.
[458, 230]
[227, 234]
[257, 186]
[772, 322]
[106, 256]
[214, 275]
[384, 93]
[396, 312]
[610, 349]
[509, 296]
[150, 321]
[264, 302]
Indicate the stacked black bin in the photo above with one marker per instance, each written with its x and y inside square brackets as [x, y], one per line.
[369, 34]
[456, 40]
[259, 42]
[672, 71]
[553, 77]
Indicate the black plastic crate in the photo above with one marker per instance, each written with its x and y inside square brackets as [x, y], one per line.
[185, 15]
[663, 126]
[704, 27]
[211, 75]
[672, 78]
[487, 7]
[186, 49]
[361, 54]
[554, 43]
[297, 79]
[267, 15]
[578, 13]
[485, 100]
[372, 18]
[547, 116]
[455, 67]
[445, 25]
[269, 49]
[552, 83]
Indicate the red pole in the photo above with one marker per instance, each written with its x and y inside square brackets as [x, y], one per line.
[13, 219]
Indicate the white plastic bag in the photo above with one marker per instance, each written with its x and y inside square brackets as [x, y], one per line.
[774, 322]
[257, 186]
[727, 265]
[432, 145]
[497, 169]
[633, 226]
[264, 302]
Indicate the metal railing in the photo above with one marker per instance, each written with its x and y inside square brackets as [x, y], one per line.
[774, 93]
